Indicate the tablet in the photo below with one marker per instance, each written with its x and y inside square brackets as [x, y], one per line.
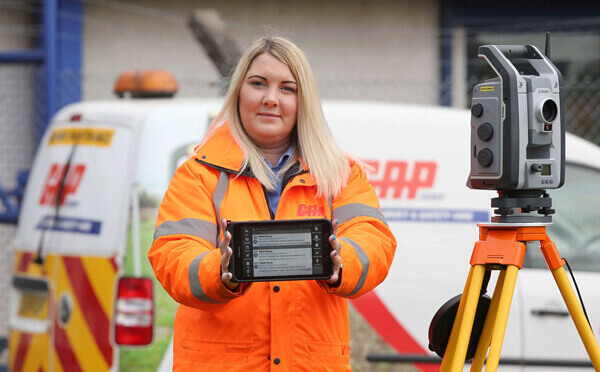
[280, 250]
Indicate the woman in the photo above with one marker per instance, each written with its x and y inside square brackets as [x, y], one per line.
[270, 155]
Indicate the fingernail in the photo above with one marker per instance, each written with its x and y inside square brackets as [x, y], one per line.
[230, 275]
[338, 222]
[335, 253]
[333, 237]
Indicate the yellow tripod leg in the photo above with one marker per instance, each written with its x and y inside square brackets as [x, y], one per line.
[464, 322]
[506, 295]
[578, 316]
[488, 327]
[451, 347]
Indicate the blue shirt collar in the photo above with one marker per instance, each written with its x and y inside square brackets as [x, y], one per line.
[282, 159]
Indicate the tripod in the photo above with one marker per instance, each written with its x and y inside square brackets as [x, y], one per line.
[501, 246]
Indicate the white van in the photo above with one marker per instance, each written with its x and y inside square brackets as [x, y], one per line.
[422, 155]
[89, 208]
[67, 312]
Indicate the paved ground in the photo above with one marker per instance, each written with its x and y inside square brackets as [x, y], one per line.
[3, 355]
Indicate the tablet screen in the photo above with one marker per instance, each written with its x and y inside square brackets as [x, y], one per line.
[282, 250]
[290, 252]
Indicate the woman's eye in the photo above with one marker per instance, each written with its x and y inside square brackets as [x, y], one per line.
[257, 83]
[290, 89]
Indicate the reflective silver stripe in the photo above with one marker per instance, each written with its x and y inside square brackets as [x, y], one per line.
[189, 226]
[364, 260]
[218, 197]
[349, 211]
[330, 201]
[195, 286]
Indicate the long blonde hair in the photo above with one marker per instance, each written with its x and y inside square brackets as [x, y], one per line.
[312, 139]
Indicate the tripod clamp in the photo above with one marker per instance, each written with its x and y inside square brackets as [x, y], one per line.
[518, 206]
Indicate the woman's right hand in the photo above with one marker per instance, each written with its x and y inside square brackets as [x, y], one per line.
[226, 254]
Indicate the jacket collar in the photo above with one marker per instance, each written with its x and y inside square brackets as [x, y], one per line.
[222, 152]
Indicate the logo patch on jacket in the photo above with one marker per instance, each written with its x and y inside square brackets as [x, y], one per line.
[312, 210]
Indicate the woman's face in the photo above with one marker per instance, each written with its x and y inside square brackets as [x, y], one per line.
[268, 102]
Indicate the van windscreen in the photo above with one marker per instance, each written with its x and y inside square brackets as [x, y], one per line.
[575, 228]
[77, 195]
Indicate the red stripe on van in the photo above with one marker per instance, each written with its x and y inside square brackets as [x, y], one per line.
[26, 258]
[380, 318]
[95, 317]
[68, 359]
[24, 341]
[113, 262]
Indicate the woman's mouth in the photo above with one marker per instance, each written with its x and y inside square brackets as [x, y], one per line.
[269, 115]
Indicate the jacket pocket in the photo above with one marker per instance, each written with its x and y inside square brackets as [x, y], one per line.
[329, 353]
[215, 351]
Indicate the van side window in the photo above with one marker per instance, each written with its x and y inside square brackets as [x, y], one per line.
[576, 228]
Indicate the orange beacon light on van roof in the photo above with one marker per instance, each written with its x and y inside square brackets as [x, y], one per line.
[146, 84]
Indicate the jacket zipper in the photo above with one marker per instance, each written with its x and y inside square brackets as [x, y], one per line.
[294, 170]
[271, 214]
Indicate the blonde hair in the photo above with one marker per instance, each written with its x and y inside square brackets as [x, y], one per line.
[312, 139]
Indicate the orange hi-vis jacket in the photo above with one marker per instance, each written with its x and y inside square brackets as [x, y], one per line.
[279, 326]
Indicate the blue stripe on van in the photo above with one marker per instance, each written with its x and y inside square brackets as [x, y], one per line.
[435, 215]
[69, 224]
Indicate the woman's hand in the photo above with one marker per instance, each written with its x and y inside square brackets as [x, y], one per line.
[226, 254]
[335, 255]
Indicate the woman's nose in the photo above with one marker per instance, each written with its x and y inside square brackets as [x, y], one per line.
[270, 100]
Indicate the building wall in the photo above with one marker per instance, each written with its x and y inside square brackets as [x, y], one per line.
[17, 128]
[459, 67]
[373, 50]
[367, 50]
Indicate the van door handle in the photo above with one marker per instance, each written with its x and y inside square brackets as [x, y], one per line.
[543, 312]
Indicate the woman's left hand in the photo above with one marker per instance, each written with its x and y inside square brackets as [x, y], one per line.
[335, 254]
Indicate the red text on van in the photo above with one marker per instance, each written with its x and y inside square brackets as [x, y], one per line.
[54, 178]
[397, 175]
[310, 210]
